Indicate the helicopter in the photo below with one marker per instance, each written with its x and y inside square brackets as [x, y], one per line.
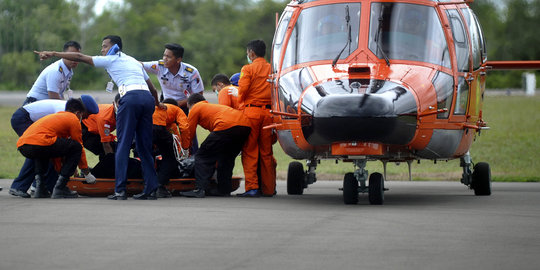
[378, 80]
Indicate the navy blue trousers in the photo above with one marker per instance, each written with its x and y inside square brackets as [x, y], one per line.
[134, 120]
[20, 121]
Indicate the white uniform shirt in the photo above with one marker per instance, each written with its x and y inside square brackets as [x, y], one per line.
[54, 78]
[38, 109]
[122, 68]
[176, 86]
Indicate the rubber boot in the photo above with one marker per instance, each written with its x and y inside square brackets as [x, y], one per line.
[61, 191]
[41, 189]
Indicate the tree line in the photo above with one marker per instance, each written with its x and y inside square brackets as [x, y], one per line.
[213, 32]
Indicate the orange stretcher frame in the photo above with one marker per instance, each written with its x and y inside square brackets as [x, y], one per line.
[105, 186]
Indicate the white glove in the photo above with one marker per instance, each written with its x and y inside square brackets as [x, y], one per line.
[90, 178]
[233, 91]
[185, 153]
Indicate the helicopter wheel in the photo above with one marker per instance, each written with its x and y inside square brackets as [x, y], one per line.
[350, 189]
[376, 189]
[295, 178]
[481, 179]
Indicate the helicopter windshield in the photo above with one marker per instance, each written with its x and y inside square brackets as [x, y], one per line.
[404, 31]
[321, 32]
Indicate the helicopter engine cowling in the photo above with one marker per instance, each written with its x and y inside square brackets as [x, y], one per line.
[384, 113]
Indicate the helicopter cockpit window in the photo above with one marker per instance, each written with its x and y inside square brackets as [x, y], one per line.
[407, 32]
[444, 86]
[462, 96]
[460, 40]
[321, 32]
[278, 39]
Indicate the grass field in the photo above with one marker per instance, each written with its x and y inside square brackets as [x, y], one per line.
[511, 147]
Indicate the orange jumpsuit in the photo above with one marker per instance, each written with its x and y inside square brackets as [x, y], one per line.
[46, 130]
[177, 117]
[214, 117]
[102, 123]
[228, 100]
[254, 92]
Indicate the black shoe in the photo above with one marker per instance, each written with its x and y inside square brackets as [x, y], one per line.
[250, 193]
[217, 193]
[118, 196]
[146, 196]
[196, 193]
[163, 192]
[19, 193]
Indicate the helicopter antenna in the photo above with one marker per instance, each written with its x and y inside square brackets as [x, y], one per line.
[347, 19]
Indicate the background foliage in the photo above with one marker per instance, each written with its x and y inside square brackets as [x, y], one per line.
[214, 33]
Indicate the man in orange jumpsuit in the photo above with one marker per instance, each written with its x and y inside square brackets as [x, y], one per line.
[163, 140]
[57, 135]
[227, 93]
[255, 94]
[97, 130]
[229, 129]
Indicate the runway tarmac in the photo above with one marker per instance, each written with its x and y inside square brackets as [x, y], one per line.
[422, 225]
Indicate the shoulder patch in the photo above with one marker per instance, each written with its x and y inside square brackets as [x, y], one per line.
[188, 69]
[153, 66]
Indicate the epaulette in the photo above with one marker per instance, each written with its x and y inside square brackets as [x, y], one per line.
[188, 69]
[160, 62]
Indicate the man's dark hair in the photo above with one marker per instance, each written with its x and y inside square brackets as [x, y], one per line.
[195, 98]
[170, 101]
[257, 46]
[177, 49]
[75, 105]
[114, 40]
[72, 43]
[222, 78]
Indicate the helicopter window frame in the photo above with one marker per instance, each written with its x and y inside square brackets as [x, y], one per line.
[475, 38]
[301, 43]
[461, 41]
[280, 35]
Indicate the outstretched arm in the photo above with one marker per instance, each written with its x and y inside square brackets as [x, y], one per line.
[73, 56]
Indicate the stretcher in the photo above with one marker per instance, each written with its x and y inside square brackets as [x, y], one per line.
[105, 186]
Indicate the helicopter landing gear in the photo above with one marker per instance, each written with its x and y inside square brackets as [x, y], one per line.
[298, 179]
[479, 179]
[354, 183]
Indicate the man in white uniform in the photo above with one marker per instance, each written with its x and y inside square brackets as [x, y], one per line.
[54, 80]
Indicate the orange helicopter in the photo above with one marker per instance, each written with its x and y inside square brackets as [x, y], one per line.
[394, 81]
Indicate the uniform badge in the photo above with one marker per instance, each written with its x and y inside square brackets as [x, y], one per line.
[61, 70]
[188, 69]
[154, 66]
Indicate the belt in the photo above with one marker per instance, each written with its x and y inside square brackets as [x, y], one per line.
[260, 106]
[123, 89]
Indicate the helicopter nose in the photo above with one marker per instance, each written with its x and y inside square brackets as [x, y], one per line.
[389, 117]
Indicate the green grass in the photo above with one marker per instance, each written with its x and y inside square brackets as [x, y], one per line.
[511, 147]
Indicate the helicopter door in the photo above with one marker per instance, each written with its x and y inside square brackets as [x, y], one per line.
[478, 58]
[464, 77]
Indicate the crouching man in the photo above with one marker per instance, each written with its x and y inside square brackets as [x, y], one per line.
[229, 130]
[57, 135]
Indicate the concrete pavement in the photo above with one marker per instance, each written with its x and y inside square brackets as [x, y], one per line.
[422, 225]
